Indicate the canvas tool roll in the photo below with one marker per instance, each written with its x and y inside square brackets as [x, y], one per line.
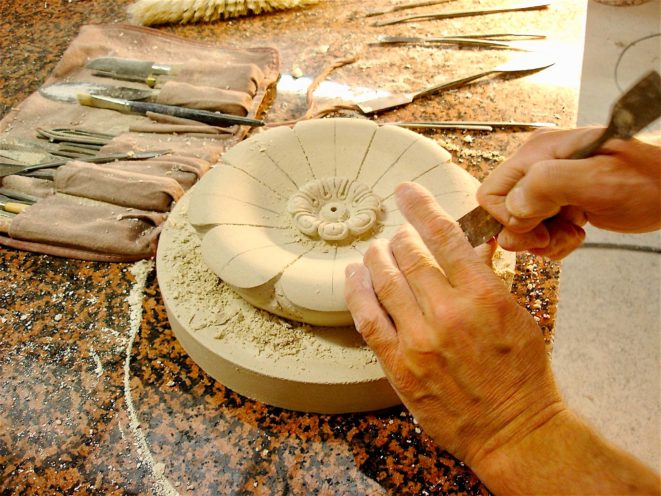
[114, 211]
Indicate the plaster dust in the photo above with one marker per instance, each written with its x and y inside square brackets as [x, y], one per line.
[260, 355]
[141, 270]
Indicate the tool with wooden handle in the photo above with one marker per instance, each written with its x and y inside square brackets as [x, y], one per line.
[138, 107]
[635, 110]
[13, 207]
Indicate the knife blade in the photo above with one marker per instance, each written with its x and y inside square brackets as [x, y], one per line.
[136, 107]
[633, 111]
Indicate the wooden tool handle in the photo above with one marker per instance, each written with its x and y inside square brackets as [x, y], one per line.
[14, 207]
[212, 118]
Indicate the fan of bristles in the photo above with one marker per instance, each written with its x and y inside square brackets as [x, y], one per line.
[151, 12]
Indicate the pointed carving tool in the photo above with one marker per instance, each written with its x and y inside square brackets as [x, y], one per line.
[468, 13]
[633, 111]
[137, 107]
[514, 65]
[129, 100]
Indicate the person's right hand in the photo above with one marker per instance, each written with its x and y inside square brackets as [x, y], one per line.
[542, 198]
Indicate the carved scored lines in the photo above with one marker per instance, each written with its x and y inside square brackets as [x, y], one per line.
[243, 208]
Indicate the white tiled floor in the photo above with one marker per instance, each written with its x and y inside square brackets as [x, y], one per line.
[607, 349]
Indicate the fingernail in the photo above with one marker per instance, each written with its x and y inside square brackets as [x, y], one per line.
[516, 203]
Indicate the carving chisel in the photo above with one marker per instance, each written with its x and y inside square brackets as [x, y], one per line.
[131, 107]
[633, 111]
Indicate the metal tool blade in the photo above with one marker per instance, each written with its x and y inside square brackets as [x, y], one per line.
[10, 169]
[479, 226]
[66, 92]
[520, 64]
[632, 112]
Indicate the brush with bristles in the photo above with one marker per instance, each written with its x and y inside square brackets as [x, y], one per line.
[151, 12]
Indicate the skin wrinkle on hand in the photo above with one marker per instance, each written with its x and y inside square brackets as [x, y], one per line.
[487, 397]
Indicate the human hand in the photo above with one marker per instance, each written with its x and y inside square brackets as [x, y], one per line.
[618, 189]
[466, 360]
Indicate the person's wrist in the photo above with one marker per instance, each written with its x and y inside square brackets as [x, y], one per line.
[504, 464]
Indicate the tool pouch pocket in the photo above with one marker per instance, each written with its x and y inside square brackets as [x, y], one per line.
[114, 211]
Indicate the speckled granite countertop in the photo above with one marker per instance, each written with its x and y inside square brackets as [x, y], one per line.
[97, 395]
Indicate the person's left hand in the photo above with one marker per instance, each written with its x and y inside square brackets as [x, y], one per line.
[466, 360]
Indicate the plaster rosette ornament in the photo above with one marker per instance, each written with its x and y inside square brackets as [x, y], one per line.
[288, 209]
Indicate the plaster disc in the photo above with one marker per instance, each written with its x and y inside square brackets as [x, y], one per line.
[257, 354]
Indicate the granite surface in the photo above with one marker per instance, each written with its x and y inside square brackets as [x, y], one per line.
[97, 395]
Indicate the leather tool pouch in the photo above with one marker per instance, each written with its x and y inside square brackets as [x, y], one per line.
[114, 211]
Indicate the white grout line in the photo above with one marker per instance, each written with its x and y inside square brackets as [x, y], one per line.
[99, 366]
[140, 271]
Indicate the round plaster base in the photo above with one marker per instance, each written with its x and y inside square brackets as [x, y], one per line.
[257, 354]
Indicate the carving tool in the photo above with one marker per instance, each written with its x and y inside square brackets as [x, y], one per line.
[136, 107]
[498, 40]
[128, 100]
[405, 6]
[17, 195]
[633, 111]
[11, 206]
[154, 73]
[68, 92]
[514, 65]
[138, 70]
[74, 135]
[466, 13]
[10, 169]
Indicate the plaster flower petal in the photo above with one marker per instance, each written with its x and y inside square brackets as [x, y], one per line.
[208, 209]
[417, 160]
[318, 141]
[229, 181]
[456, 203]
[385, 149]
[352, 141]
[316, 281]
[248, 256]
[275, 156]
[391, 214]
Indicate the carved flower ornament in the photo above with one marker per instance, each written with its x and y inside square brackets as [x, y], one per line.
[288, 209]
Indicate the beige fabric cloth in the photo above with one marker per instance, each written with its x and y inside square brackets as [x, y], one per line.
[118, 187]
[205, 98]
[80, 224]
